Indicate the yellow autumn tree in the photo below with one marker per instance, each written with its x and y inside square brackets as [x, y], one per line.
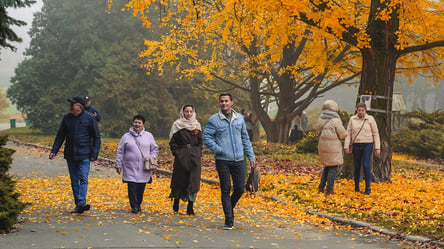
[226, 45]
[390, 36]
[393, 37]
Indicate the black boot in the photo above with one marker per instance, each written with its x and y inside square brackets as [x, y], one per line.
[176, 205]
[190, 210]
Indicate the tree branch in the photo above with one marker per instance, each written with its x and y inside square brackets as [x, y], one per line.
[422, 47]
[230, 83]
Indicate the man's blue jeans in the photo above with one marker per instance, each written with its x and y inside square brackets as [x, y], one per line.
[362, 154]
[237, 172]
[78, 172]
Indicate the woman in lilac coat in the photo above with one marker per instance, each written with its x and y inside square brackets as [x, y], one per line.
[130, 162]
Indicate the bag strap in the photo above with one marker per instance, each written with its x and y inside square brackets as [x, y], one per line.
[358, 131]
[137, 143]
[320, 132]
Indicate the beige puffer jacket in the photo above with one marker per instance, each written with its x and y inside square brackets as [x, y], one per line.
[368, 134]
[330, 132]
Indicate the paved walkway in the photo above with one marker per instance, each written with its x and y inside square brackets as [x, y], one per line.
[117, 229]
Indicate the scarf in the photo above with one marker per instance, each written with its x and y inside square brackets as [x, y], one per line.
[183, 123]
[329, 114]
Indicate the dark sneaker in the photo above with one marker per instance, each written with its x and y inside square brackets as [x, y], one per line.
[228, 227]
[78, 210]
[86, 207]
[367, 192]
[75, 210]
[136, 210]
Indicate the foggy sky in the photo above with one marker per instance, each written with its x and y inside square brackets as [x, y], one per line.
[8, 59]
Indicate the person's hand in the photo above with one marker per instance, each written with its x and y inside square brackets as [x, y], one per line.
[93, 159]
[51, 156]
[346, 151]
[253, 164]
[378, 152]
[94, 114]
[118, 170]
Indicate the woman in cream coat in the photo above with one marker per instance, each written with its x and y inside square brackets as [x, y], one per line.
[331, 130]
[363, 134]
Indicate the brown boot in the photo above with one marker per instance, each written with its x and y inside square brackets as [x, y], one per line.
[320, 190]
[330, 192]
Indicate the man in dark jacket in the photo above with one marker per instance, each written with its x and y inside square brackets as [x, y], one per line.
[91, 109]
[80, 133]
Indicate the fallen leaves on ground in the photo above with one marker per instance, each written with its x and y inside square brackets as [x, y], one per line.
[413, 203]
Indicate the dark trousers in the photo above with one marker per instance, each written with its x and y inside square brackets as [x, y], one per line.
[135, 194]
[328, 176]
[237, 172]
[362, 154]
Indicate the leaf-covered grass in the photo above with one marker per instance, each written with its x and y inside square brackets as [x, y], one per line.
[413, 203]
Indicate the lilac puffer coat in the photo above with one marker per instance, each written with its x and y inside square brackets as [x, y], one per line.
[130, 158]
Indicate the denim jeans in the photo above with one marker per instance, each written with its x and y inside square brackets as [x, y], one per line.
[237, 172]
[328, 176]
[362, 154]
[78, 172]
[135, 193]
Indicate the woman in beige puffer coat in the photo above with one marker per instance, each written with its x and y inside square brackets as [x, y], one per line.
[330, 130]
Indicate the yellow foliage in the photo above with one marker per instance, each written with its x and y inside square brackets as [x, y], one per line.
[231, 26]
[413, 200]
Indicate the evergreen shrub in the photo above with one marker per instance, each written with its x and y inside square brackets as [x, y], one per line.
[422, 137]
[309, 143]
[10, 206]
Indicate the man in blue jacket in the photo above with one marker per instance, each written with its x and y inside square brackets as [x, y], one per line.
[80, 133]
[91, 109]
[226, 136]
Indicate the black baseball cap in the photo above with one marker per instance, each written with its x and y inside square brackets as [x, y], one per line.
[77, 99]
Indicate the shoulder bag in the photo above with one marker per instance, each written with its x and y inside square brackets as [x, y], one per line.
[350, 146]
[150, 163]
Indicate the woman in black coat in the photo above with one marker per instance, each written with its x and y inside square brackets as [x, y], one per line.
[186, 146]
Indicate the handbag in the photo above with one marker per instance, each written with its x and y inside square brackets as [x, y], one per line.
[350, 146]
[150, 163]
[253, 180]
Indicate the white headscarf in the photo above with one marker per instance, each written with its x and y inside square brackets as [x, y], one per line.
[183, 123]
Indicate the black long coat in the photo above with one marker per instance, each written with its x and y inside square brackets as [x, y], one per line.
[187, 149]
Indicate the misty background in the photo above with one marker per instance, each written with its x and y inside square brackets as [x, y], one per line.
[9, 59]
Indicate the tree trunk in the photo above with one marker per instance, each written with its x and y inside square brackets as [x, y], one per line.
[377, 79]
[277, 129]
[378, 72]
